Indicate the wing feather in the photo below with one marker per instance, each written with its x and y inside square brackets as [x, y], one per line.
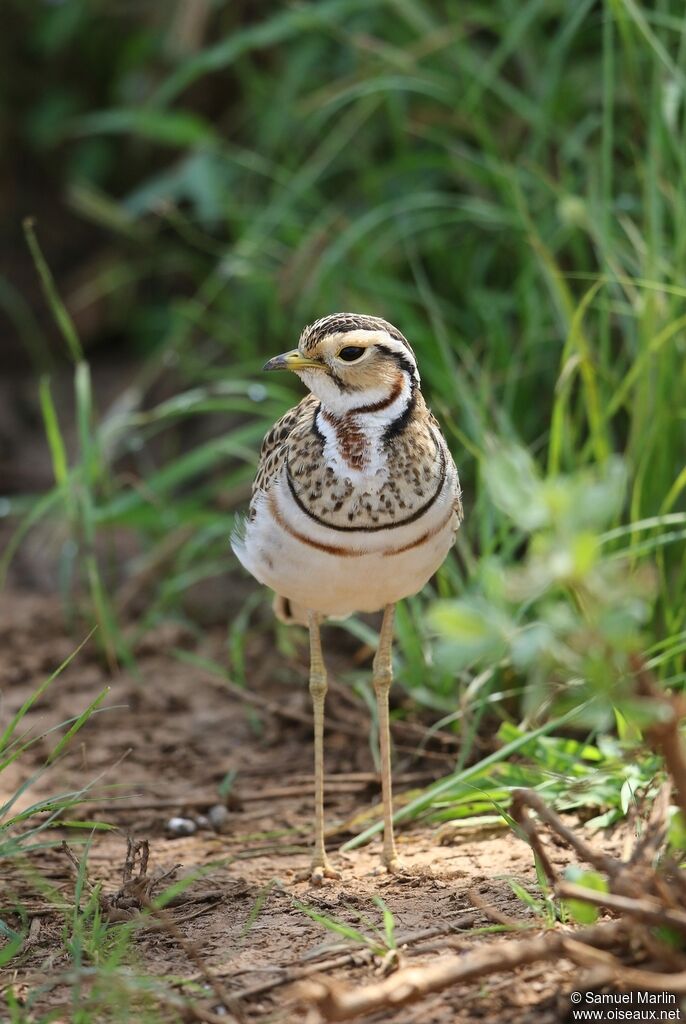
[275, 443]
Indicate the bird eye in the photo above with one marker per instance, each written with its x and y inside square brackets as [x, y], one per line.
[350, 353]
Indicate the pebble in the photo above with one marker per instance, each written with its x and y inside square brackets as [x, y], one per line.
[181, 827]
[218, 817]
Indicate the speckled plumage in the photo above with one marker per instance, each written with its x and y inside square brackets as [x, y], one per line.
[355, 505]
[416, 460]
[371, 482]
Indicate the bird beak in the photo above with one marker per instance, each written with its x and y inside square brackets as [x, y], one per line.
[292, 361]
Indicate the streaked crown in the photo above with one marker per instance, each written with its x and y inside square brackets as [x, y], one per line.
[342, 323]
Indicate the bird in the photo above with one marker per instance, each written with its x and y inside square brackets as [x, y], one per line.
[355, 505]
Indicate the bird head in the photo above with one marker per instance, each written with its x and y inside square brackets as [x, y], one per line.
[352, 362]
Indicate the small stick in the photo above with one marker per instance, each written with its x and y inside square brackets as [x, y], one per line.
[361, 958]
[340, 1002]
[665, 735]
[425, 755]
[648, 845]
[527, 798]
[134, 848]
[612, 969]
[179, 919]
[410, 729]
[587, 956]
[355, 782]
[369, 777]
[66, 848]
[497, 915]
[526, 824]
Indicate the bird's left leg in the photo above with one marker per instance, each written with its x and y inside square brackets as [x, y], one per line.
[320, 867]
[382, 679]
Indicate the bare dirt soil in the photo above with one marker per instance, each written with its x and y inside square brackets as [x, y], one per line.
[159, 748]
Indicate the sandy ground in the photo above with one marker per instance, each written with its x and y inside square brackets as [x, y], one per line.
[161, 745]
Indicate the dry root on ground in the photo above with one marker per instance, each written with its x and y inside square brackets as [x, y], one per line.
[646, 891]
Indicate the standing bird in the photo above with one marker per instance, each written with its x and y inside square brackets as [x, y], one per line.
[355, 505]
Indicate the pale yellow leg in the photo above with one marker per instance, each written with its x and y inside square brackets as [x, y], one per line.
[382, 679]
[320, 867]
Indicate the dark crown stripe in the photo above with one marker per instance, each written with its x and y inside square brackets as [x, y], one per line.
[341, 323]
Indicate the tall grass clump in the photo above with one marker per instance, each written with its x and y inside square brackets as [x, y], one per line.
[502, 181]
[26, 828]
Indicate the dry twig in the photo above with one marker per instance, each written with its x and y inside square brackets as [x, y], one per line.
[341, 1002]
[655, 831]
[522, 798]
[664, 735]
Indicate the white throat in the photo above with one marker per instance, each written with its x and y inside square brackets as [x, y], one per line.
[354, 441]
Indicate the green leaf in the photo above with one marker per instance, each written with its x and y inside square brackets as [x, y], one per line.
[514, 484]
[54, 300]
[581, 912]
[38, 692]
[173, 128]
[526, 898]
[676, 833]
[338, 927]
[78, 724]
[471, 630]
[388, 922]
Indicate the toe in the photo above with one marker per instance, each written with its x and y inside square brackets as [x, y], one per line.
[316, 873]
[322, 871]
[389, 866]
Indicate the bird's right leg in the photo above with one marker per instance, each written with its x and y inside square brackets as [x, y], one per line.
[320, 867]
[383, 677]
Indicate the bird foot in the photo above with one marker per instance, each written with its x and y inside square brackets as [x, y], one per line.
[391, 865]
[317, 872]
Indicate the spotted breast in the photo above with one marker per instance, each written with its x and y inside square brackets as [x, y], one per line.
[357, 499]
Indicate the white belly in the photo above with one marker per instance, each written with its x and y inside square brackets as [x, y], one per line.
[338, 572]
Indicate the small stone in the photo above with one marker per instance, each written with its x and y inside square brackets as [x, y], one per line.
[181, 827]
[202, 821]
[218, 816]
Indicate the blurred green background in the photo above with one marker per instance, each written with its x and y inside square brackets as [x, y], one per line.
[503, 180]
[184, 184]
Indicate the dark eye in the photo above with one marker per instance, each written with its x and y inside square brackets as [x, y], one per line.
[350, 354]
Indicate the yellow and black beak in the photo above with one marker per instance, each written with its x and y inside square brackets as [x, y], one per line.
[294, 360]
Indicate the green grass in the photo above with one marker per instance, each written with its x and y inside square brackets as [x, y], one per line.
[29, 829]
[377, 938]
[504, 181]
